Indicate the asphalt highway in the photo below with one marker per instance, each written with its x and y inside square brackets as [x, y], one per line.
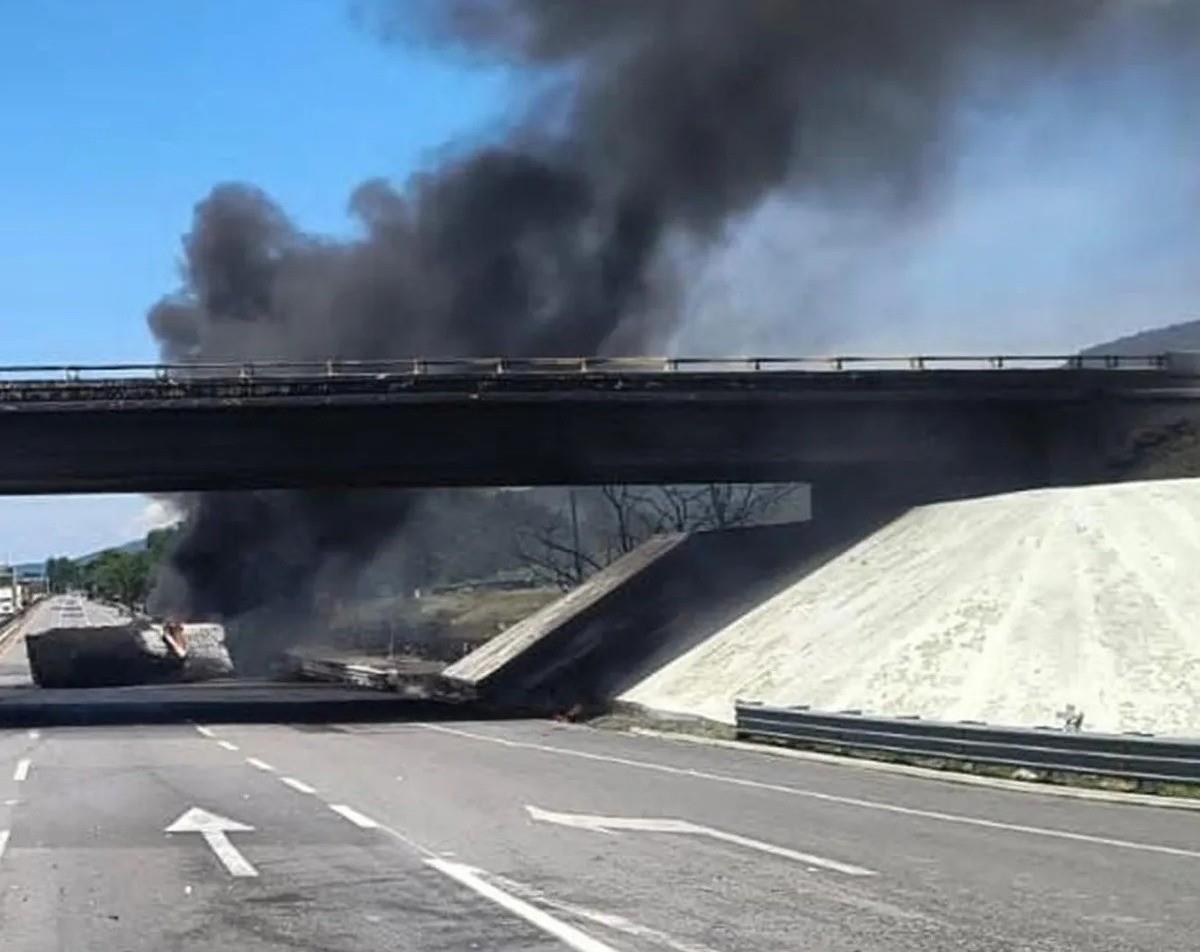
[71, 611]
[419, 834]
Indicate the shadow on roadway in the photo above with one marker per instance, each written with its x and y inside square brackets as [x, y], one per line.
[234, 701]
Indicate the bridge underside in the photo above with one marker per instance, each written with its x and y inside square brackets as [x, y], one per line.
[929, 434]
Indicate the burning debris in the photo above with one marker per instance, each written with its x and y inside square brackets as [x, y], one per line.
[657, 133]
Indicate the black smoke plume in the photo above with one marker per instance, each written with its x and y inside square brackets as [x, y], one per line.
[657, 124]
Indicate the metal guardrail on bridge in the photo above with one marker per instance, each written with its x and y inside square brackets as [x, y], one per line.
[494, 366]
[1126, 756]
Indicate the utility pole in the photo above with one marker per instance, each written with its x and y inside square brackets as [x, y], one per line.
[576, 554]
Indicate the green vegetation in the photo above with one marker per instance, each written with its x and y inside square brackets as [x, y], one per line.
[121, 575]
[470, 615]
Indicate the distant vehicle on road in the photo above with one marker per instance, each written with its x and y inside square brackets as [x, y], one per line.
[10, 600]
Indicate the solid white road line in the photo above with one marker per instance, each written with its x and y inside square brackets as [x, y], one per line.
[260, 764]
[609, 920]
[4, 834]
[204, 731]
[22, 769]
[568, 934]
[227, 745]
[358, 819]
[298, 785]
[473, 878]
[878, 805]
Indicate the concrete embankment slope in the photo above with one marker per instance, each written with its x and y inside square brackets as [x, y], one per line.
[640, 612]
[1002, 609]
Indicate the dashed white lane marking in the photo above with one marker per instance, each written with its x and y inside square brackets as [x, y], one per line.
[4, 834]
[260, 764]
[470, 877]
[227, 745]
[204, 731]
[298, 785]
[827, 797]
[22, 769]
[34, 735]
[358, 819]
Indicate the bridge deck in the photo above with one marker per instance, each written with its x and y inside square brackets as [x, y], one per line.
[105, 429]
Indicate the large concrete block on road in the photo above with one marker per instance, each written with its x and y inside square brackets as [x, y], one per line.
[131, 653]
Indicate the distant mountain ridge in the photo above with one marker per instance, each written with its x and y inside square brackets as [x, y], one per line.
[1148, 343]
[134, 545]
[37, 569]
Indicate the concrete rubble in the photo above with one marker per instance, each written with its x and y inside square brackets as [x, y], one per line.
[133, 652]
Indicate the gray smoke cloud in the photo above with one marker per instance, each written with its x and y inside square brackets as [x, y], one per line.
[658, 126]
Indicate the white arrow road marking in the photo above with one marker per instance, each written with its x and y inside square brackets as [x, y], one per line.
[22, 770]
[214, 829]
[618, 824]
[472, 878]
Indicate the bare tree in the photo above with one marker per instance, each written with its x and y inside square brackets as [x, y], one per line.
[564, 550]
[554, 559]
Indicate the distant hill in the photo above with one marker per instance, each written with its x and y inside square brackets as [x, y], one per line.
[1158, 340]
[136, 545]
[37, 569]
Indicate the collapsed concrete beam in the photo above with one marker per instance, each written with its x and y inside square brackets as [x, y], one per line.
[638, 613]
[132, 653]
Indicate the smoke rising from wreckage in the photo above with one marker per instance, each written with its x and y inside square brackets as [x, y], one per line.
[575, 232]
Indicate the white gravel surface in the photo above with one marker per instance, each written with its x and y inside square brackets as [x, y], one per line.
[1002, 609]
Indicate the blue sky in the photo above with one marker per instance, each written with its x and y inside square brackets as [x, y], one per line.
[119, 115]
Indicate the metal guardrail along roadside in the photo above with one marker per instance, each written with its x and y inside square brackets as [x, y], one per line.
[1126, 756]
[496, 366]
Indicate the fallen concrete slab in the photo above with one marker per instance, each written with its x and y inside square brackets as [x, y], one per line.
[522, 662]
[73, 643]
[94, 656]
[637, 614]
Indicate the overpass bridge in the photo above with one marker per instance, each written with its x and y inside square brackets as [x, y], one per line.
[930, 426]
